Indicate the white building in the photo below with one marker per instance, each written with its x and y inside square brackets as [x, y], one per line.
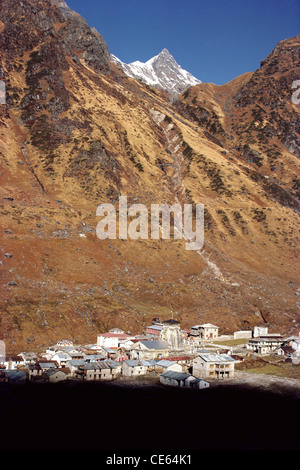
[205, 331]
[102, 370]
[116, 330]
[112, 340]
[134, 367]
[264, 345]
[295, 344]
[260, 331]
[12, 362]
[28, 357]
[163, 365]
[242, 334]
[61, 358]
[213, 366]
[73, 365]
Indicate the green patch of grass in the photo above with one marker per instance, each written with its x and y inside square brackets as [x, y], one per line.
[232, 342]
[282, 370]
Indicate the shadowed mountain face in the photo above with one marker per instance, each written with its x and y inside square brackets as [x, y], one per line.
[76, 132]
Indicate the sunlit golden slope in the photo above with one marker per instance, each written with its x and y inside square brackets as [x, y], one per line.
[75, 133]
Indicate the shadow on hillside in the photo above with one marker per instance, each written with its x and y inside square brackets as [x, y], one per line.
[97, 416]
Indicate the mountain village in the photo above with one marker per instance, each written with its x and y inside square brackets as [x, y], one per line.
[166, 353]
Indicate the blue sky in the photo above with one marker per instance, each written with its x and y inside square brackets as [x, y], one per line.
[215, 40]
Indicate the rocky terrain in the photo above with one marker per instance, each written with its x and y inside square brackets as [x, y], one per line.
[76, 132]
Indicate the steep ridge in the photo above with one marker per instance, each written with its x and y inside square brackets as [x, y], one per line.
[77, 132]
[255, 118]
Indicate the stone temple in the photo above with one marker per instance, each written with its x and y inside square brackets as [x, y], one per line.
[171, 333]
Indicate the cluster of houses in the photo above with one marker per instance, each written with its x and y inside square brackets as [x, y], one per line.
[264, 343]
[172, 355]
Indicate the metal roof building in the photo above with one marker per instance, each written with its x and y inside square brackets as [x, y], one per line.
[15, 375]
[137, 362]
[216, 358]
[183, 380]
[155, 344]
[165, 363]
[155, 327]
[179, 376]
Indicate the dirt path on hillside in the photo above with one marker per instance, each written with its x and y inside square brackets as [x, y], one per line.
[173, 146]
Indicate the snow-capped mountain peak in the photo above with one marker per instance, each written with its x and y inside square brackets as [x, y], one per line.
[161, 71]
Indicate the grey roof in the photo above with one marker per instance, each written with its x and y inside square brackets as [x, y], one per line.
[155, 344]
[94, 357]
[107, 364]
[132, 362]
[33, 367]
[77, 353]
[165, 363]
[14, 374]
[90, 366]
[264, 339]
[63, 355]
[109, 350]
[28, 355]
[53, 371]
[136, 363]
[47, 364]
[91, 347]
[216, 358]
[170, 374]
[196, 380]
[155, 327]
[76, 362]
[150, 362]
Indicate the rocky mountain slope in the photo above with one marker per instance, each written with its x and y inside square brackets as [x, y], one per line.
[162, 71]
[76, 132]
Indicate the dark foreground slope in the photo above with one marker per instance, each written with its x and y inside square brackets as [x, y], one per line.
[107, 417]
